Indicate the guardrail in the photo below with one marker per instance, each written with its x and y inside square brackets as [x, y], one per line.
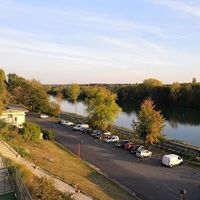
[168, 144]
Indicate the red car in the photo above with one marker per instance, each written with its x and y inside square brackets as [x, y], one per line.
[128, 146]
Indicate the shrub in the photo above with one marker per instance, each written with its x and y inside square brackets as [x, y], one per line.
[46, 191]
[48, 134]
[31, 131]
[8, 132]
[23, 152]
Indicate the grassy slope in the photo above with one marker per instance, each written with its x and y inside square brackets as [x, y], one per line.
[54, 159]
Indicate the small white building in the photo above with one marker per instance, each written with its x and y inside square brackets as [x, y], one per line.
[14, 114]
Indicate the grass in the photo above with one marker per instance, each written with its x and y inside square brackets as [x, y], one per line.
[64, 164]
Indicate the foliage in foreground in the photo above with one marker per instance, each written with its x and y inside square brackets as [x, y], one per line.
[31, 131]
[151, 122]
[40, 189]
[102, 108]
[48, 134]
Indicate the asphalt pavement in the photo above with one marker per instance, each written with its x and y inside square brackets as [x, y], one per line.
[147, 178]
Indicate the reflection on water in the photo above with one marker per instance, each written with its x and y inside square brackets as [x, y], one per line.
[181, 123]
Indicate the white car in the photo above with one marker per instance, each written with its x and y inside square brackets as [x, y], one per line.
[43, 116]
[106, 133]
[67, 123]
[114, 138]
[143, 153]
[171, 160]
[80, 127]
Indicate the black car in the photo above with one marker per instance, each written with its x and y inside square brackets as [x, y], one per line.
[98, 135]
[136, 148]
[87, 131]
[121, 143]
[95, 132]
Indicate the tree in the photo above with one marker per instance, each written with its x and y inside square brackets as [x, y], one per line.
[3, 90]
[31, 131]
[73, 93]
[194, 80]
[149, 83]
[102, 108]
[54, 109]
[29, 93]
[151, 122]
[59, 98]
[174, 91]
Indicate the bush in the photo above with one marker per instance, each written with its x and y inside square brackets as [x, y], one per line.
[23, 152]
[46, 191]
[48, 134]
[31, 131]
[54, 109]
[7, 131]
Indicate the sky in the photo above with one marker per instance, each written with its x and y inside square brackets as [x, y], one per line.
[101, 41]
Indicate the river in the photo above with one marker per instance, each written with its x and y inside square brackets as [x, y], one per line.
[180, 123]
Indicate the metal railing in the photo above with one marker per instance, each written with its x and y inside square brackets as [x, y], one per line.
[5, 182]
[16, 181]
[19, 187]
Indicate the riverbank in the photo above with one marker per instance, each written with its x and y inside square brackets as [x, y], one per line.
[188, 151]
[180, 124]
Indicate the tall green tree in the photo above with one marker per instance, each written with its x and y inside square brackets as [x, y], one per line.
[151, 122]
[175, 90]
[30, 93]
[3, 90]
[149, 83]
[59, 98]
[73, 93]
[102, 108]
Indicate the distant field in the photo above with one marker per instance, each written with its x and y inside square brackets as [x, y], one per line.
[56, 160]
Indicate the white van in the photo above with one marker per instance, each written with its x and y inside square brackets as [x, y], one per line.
[171, 160]
[80, 127]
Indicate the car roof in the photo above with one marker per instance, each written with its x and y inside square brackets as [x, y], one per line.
[171, 156]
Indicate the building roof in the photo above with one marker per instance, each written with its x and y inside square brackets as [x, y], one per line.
[16, 108]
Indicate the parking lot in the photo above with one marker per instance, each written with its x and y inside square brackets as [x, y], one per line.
[146, 177]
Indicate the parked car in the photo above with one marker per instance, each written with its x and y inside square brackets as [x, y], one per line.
[128, 146]
[66, 123]
[87, 131]
[121, 143]
[107, 134]
[171, 160]
[99, 135]
[60, 121]
[95, 132]
[136, 148]
[80, 127]
[143, 153]
[43, 116]
[113, 138]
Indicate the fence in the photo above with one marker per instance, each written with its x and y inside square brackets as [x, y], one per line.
[15, 177]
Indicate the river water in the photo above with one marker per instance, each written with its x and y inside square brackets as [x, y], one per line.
[180, 123]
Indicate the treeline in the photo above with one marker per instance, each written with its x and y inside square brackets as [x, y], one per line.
[30, 93]
[175, 95]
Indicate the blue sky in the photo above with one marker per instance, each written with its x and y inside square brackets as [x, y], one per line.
[110, 41]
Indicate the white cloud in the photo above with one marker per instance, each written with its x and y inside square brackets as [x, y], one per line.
[180, 6]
